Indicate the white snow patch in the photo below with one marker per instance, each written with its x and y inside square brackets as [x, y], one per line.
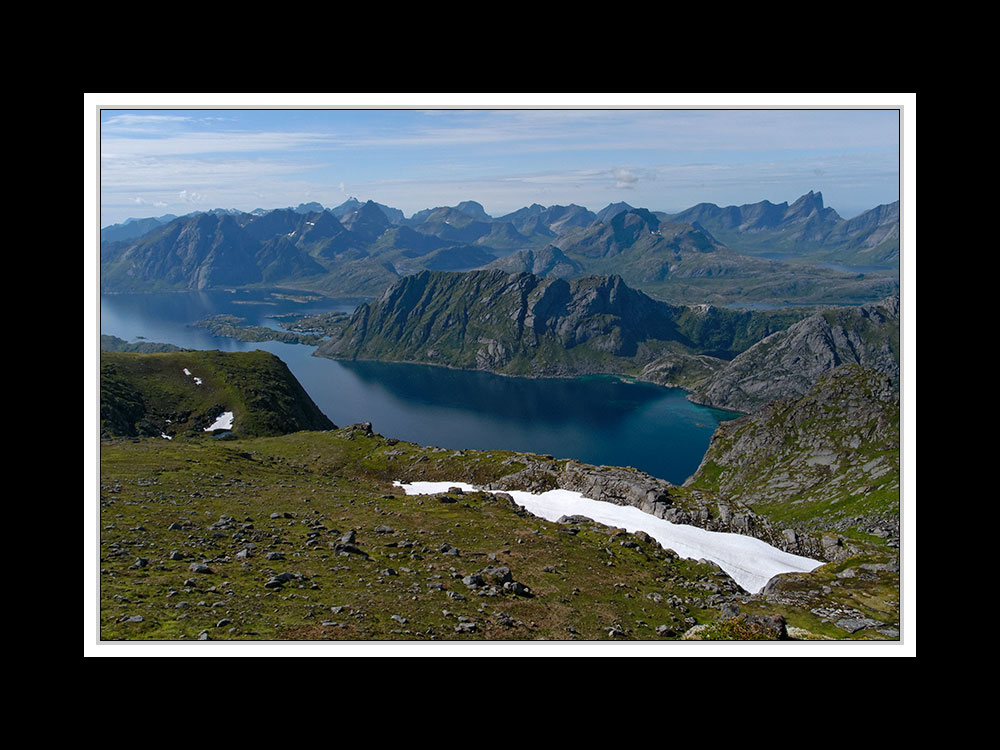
[223, 422]
[749, 561]
[165, 435]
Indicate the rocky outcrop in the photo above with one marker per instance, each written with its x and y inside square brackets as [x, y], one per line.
[789, 362]
[829, 459]
[628, 486]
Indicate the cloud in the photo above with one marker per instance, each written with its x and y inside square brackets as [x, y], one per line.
[140, 201]
[624, 178]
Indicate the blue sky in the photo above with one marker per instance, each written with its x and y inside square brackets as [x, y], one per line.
[163, 159]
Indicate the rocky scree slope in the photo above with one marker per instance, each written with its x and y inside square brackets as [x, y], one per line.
[824, 462]
[788, 363]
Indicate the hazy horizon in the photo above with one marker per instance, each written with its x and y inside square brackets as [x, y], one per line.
[157, 161]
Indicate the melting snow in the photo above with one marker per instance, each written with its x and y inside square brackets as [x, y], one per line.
[223, 422]
[750, 562]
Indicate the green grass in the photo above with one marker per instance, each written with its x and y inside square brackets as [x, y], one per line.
[583, 585]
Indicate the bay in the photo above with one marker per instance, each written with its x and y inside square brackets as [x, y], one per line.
[597, 420]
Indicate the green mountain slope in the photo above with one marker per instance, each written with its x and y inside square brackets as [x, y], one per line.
[183, 393]
[826, 461]
[521, 324]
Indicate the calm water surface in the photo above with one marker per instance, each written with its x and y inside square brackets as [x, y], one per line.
[596, 420]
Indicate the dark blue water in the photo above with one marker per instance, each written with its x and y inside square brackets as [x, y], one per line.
[597, 420]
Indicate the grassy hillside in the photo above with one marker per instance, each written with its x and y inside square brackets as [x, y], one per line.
[178, 393]
[303, 536]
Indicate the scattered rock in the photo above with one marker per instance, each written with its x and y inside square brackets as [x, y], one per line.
[279, 580]
[473, 581]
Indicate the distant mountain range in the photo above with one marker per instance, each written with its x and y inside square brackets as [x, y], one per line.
[705, 253]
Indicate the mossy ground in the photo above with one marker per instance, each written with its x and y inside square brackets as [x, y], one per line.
[206, 501]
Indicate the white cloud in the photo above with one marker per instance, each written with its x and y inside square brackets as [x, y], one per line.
[624, 178]
[190, 196]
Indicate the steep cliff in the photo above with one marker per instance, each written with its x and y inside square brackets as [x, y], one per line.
[522, 324]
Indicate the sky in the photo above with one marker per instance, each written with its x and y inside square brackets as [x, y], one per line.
[173, 155]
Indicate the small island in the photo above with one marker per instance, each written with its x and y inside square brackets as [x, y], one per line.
[299, 329]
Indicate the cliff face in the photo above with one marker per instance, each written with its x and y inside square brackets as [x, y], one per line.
[789, 362]
[826, 461]
[522, 324]
[497, 321]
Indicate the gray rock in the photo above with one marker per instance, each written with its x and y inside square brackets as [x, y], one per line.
[279, 580]
[348, 538]
[473, 581]
[854, 624]
[518, 589]
[497, 574]
[197, 567]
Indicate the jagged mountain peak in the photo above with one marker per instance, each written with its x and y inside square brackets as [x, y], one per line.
[612, 210]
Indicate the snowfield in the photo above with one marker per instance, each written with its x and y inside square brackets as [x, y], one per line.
[222, 422]
[750, 562]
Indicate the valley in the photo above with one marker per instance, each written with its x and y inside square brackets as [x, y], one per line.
[280, 525]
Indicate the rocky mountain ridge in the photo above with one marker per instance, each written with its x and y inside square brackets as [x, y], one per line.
[804, 228]
[358, 249]
[789, 362]
[522, 324]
